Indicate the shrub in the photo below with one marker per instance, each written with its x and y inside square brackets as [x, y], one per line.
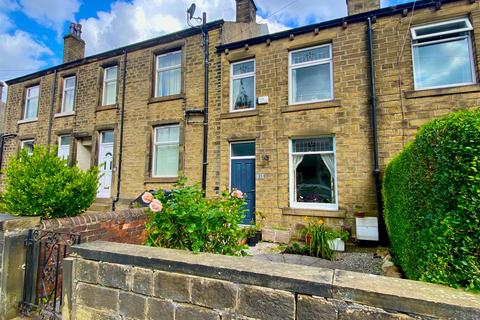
[316, 238]
[189, 221]
[43, 185]
[432, 202]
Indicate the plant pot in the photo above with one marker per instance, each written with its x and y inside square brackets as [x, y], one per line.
[308, 239]
[252, 241]
[258, 235]
[337, 244]
[242, 242]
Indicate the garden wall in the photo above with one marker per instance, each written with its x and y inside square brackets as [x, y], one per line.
[111, 281]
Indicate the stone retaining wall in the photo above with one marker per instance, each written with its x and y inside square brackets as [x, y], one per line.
[111, 281]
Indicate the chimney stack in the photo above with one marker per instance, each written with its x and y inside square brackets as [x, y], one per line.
[360, 6]
[73, 45]
[246, 11]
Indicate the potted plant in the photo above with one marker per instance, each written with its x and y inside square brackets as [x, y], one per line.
[336, 239]
[252, 238]
[259, 219]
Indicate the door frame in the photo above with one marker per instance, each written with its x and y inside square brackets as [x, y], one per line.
[230, 158]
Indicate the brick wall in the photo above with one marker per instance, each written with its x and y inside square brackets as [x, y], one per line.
[125, 226]
[109, 281]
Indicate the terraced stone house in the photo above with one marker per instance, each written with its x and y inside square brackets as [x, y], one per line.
[304, 121]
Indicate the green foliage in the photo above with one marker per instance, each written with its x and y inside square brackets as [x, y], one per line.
[431, 193]
[189, 221]
[334, 234]
[316, 238]
[43, 185]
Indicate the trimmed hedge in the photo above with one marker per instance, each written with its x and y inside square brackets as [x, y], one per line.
[431, 194]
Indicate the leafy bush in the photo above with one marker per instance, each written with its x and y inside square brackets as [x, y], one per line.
[187, 220]
[432, 202]
[43, 185]
[316, 238]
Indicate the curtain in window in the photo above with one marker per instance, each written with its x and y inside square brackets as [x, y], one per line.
[329, 160]
[166, 160]
[169, 82]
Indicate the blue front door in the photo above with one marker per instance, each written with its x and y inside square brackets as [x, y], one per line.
[243, 176]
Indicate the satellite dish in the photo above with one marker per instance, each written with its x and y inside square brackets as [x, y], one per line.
[191, 11]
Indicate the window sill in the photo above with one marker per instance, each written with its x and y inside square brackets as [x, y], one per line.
[27, 120]
[441, 91]
[314, 213]
[312, 106]
[64, 114]
[166, 98]
[239, 114]
[107, 107]
[161, 180]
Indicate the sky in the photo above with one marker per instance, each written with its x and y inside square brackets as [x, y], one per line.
[31, 31]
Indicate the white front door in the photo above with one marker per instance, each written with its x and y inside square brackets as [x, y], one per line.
[105, 164]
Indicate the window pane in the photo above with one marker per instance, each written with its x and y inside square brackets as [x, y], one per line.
[243, 149]
[65, 140]
[449, 27]
[245, 67]
[110, 93]
[70, 83]
[111, 73]
[32, 106]
[107, 137]
[311, 55]
[314, 178]
[169, 60]
[311, 83]
[32, 92]
[68, 101]
[442, 64]
[243, 93]
[28, 145]
[169, 82]
[313, 144]
[167, 134]
[166, 161]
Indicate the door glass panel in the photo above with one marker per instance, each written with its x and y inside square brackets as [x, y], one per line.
[107, 137]
[243, 149]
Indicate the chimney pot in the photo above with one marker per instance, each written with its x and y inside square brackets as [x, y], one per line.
[73, 45]
[246, 11]
[360, 6]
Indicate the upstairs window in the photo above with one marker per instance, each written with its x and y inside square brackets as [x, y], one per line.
[109, 86]
[68, 94]
[166, 148]
[242, 86]
[31, 103]
[310, 75]
[28, 145]
[442, 54]
[64, 147]
[313, 178]
[168, 79]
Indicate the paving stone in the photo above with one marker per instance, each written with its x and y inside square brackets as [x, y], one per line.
[173, 286]
[132, 305]
[142, 281]
[97, 297]
[292, 258]
[189, 312]
[86, 271]
[114, 275]
[159, 309]
[213, 293]
[265, 303]
[315, 308]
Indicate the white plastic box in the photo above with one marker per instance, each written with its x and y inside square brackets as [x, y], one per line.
[367, 228]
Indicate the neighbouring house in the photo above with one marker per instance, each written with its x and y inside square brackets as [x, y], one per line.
[295, 119]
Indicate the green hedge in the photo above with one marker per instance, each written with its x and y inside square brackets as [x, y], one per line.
[43, 185]
[431, 193]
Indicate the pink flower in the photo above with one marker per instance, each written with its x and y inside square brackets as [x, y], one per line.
[147, 197]
[155, 205]
[237, 193]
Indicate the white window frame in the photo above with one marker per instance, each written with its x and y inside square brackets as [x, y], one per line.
[105, 82]
[415, 44]
[158, 70]
[65, 89]
[27, 99]
[154, 147]
[63, 147]
[242, 76]
[237, 158]
[292, 67]
[27, 141]
[311, 206]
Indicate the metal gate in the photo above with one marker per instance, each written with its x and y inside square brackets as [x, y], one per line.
[42, 287]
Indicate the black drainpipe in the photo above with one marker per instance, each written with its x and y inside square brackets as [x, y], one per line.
[122, 121]
[52, 105]
[376, 169]
[205, 103]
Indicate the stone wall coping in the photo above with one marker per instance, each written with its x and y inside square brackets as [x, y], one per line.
[394, 294]
[10, 222]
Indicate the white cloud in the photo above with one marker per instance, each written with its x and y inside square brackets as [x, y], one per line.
[51, 13]
[5, 23]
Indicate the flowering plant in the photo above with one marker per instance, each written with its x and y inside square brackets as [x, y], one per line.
[186, 220]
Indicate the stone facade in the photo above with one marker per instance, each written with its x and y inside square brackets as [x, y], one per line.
[111, 281]
[347, 117]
